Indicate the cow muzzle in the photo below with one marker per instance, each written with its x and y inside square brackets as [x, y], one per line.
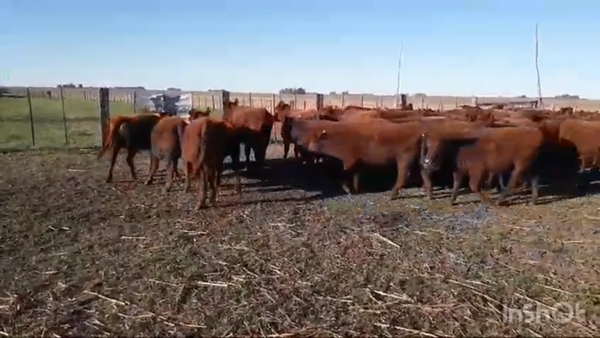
[428, 164]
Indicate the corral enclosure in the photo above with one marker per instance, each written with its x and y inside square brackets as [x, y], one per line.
[59, 117]
[288, 258]
[302, 101]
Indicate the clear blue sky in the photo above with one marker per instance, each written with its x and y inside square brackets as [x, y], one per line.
[450, 47]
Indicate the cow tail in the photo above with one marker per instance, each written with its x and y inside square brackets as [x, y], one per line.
[180, 129]
[423, 140]
[204, 143]
[113, 133]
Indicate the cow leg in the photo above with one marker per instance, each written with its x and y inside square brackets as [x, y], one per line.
[427, 184]
[475, 181]
[247, 149]
[345, 186]
[490, 181]
[457, 180]
[582, 164]
[113, 159]
[401, 179]
[501, 186]
[152, 170]
[512, 182]
[129, 160]
[261, 154]
[348, 170]
[189, 170]
[214, 188]
[202, 187]
[296, 151]
[176, 175]
[170, 168]
[355, 180]
[286, 147]
[535, 187]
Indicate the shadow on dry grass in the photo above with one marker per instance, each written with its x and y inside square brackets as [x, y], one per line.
[80, 257]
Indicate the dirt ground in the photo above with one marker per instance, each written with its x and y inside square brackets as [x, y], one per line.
[82, 257]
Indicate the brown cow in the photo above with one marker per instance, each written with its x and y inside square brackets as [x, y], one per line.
[376, 143]
[287, 115]
[495, 151]
[255, 125]
[196, 114]
[165, 145]
[585, 136]
[205, 144]
[131, 133]
[440, 143]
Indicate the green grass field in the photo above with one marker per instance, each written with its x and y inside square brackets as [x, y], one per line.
[82, 122]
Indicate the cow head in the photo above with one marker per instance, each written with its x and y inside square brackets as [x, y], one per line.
[281, 110]
[232, 104]
[430, 152]
[196, 114]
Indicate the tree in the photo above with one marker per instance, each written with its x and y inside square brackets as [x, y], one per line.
[567, 96]
[80, 86]
[298, 90]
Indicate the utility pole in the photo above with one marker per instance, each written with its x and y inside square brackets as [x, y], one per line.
[537, 68]
[398, 79]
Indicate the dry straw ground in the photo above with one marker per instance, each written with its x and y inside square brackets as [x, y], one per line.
[81, 257]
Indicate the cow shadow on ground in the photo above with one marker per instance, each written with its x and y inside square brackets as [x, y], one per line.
[323, 181]
[323, 178]
[550, 191]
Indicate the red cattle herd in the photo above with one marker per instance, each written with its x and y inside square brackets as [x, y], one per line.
[491, 147]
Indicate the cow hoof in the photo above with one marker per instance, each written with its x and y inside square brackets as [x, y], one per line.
[148, 182]
[201, 206]
[108, 180]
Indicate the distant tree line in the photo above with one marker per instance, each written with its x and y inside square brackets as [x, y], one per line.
[72, 85]
[567, 96]
[298, 90]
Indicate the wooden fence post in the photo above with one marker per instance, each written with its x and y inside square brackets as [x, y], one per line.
[64, 114]
[31, 116]
[134, 102]
[403, 101]
[224, 99]
[104, 112]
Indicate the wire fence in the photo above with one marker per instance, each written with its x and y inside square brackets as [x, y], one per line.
[70, 117]
[29, 121]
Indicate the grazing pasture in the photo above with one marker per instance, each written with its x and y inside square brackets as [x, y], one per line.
[81, 121]
[82, 257]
